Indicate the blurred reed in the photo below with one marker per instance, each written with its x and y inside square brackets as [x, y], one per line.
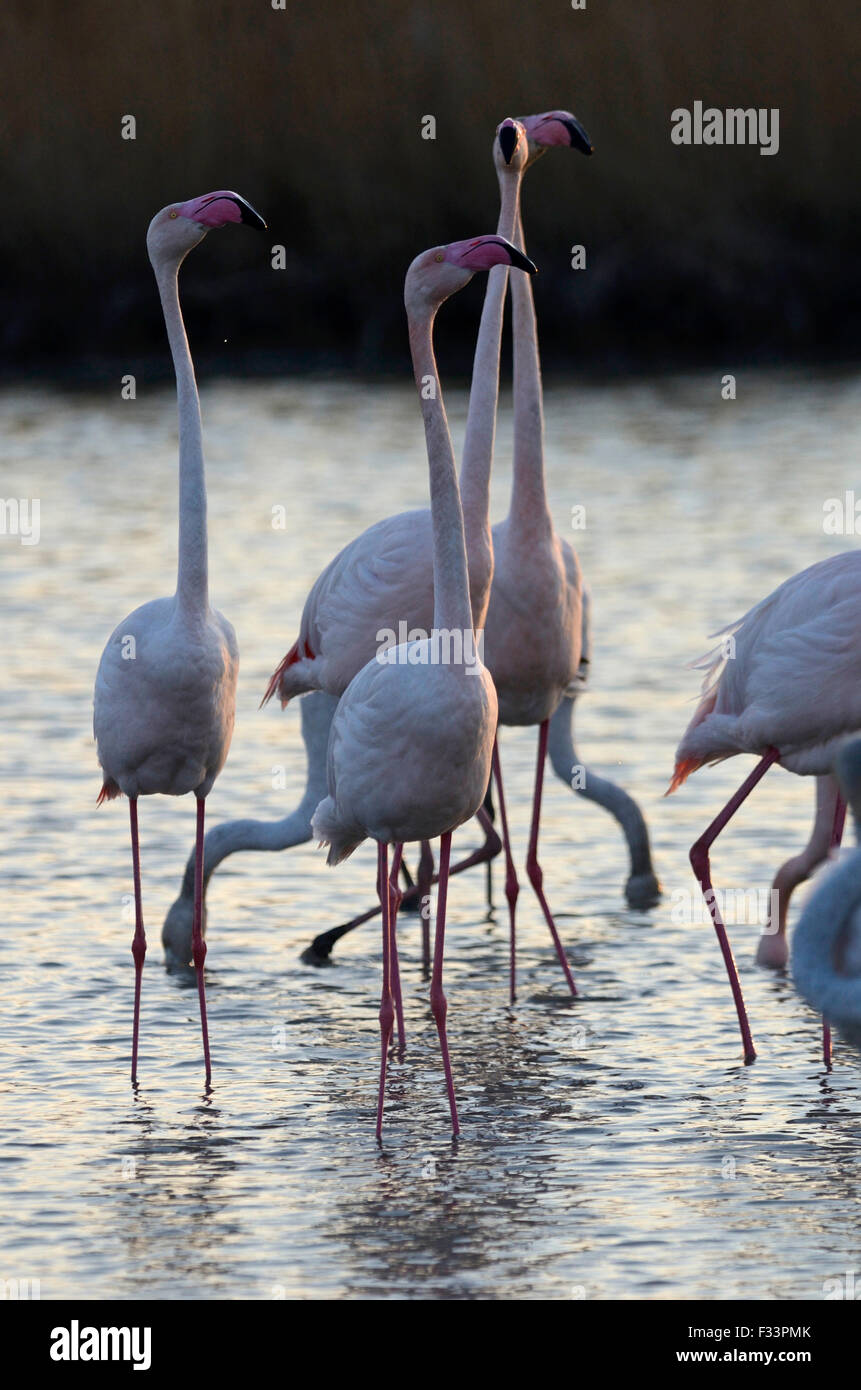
[314, 114]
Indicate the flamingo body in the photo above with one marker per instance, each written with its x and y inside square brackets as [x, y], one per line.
[381, 579]
[794, 682]
[435, 724]
[163, 721]
[534, 623]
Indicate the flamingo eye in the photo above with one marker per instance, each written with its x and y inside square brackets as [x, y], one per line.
[439, 256]
[174, 213]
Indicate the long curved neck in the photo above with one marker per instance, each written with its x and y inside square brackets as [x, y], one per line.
[451, 587]
[235, 836]
[192, 587]
[529, 510]
[230, 837]
[477, 459]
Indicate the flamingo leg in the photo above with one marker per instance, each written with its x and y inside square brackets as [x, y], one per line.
[139, 939]
[198, 945]
[533, 868]
[425, 881]
[487, 852]
[512, 887]
[492, 844]
[387, 1012]
[439, 1005]
[836, 837]
[699, 857]
[395, 896]
[321, 947]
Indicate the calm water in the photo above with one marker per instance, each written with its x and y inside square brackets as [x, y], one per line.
[612, 1146]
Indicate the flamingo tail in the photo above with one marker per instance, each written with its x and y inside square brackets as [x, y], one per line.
[683, 769]
[290, 659]
[110, 791]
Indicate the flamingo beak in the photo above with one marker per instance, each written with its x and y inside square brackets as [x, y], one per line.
[248, 215]
[521, 262]
[577, 135]
[508, 137]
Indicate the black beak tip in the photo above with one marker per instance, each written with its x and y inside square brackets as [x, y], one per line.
[578, 137]
[249, 216]
[508, 142]
[523, 262]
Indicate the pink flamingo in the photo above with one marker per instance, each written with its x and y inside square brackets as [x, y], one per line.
[826, 949]
[412, 737]
[166, 684]
[535, 619]
[788, 688]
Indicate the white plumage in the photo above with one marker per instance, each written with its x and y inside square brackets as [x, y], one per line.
[793, 679]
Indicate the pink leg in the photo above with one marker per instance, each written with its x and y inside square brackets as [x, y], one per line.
[836, 837]
[139, 940]
[387, 1012]
[485, 853]
[512, 887]
[699, 857]
[533, 868]
[198, 945]
[395, 896]
[439, 1006]
[425, 880]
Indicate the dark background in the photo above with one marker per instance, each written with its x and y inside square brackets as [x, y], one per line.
[695, 255]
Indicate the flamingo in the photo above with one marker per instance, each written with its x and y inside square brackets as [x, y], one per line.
[534, 628]
[412, 737]
[166, 685]
[788, 688]
[826, 948]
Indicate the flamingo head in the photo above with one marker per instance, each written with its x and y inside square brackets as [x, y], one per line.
[554, 128]
[180, 226]
[443, 270]
[510, 147]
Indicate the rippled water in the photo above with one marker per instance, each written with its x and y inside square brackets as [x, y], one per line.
[613, 1146]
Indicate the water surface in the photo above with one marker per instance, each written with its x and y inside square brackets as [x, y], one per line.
[613, 1146]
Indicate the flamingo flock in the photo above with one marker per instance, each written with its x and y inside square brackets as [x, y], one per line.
[402, 740]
